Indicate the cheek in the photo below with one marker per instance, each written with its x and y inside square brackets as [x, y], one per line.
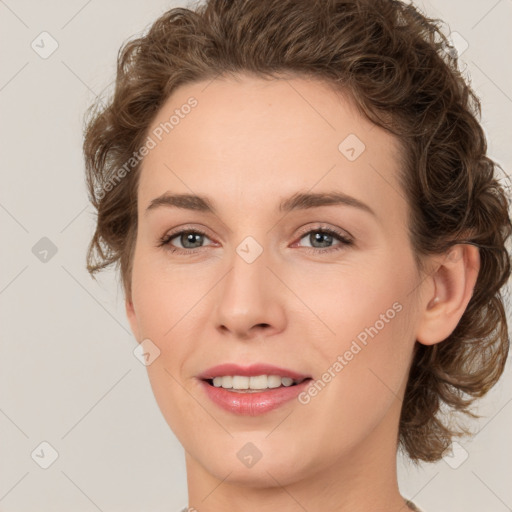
[161, 297]
[164, 308]
[363, 361]
[360, 303]
[363, 379]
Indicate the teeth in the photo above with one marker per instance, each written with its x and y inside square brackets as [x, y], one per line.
[226, 382]
[273, 381]
[239, 382]
[287, 381]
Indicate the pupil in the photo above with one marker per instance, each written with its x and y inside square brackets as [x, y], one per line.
[190, 238]
[319, 236]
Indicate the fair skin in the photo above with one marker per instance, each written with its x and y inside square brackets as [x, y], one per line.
[248, 145]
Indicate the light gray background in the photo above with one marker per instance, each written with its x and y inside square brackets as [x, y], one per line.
[68, 375]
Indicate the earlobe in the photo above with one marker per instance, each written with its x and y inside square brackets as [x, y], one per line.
[454, 280]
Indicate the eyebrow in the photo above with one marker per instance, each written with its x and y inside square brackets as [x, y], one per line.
[299, 201]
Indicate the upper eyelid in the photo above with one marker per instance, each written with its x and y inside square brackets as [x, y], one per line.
[323, 227]
[305, 229]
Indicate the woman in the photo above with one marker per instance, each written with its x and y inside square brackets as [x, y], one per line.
[311, 240]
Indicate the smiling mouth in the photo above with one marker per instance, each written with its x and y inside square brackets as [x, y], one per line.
[245, 387]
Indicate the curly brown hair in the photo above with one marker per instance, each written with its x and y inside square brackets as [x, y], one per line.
[398, 67]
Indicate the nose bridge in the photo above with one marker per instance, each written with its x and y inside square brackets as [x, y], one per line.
[244, 288]
[249, 296]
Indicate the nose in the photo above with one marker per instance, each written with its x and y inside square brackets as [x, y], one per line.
[250, 300]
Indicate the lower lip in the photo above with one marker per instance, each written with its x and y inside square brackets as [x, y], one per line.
[253, 404]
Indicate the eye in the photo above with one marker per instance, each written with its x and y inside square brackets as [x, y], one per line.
[322, 239]
[190, 239]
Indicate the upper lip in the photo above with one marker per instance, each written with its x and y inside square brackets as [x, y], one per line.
[251, 370]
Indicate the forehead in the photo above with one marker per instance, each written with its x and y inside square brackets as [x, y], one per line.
[256, 139]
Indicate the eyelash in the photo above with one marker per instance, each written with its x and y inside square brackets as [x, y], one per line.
[345, 241]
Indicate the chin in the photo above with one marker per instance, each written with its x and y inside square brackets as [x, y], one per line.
[261, 464]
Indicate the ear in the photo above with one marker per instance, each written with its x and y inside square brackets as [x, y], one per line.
[132, 318]
[450, 290]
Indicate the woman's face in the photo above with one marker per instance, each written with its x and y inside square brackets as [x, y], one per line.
[321, 286]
